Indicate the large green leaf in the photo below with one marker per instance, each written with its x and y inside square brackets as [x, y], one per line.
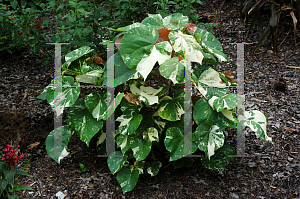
[175, 21]
[257, 122]
[211, 44]
[210, 92]
[14, 4]
[198, 70]
[125, 142]
[20, 172]
[229, 114]
[129, 110]
[83, 122]
[225, 118]
[178, 123]
[90, 77]
[128, 125]
[138, 165]
[202, 75]
[223, 121]
[68, 96]
[9, 175]
[182, 42]
[209, 138]
[173, 69]
[174, 142]
[122, 72]
[80, 67]
[22, 187]
[134, 123]
[210, 59]
[76, 67]
[153, 20]
[116, 103]
[211, 78]
[75, 54]
[163, 90]
[127, 179]
[116, 163]
[139, 51]
[151, 134]
[141, 148]
[65, 132]
[172, 108]
[146, 94]
[3, 184]
[96, 103]
[153, 168]
[220, 158]
[155, 123]
[159, 123]
[228, 101]
[126, 28]
[203, 111]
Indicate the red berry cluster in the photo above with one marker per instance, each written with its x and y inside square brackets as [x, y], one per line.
[11, 155]
[5, 8]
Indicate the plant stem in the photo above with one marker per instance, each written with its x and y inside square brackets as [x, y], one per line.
[166, 83]
[157, 77]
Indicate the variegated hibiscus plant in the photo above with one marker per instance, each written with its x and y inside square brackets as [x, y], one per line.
[150, 62]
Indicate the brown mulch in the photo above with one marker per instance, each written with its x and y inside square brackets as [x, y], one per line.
[268, 171]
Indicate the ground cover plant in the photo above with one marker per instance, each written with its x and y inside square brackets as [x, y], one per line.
[21, 26]
[24, 27]
[150, 118]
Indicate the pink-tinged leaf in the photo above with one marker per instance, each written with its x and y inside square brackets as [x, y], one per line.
[191, 28]
[118, 41]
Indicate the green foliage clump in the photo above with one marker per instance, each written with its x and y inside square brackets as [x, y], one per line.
[151, 118]
[26, 24]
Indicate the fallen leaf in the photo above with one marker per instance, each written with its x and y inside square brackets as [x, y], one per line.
[131, 98]
[294, 118]
[31, 146]
[288, 128]
[208, 16]
[229, 76]
[98, 60]
[258, 100]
